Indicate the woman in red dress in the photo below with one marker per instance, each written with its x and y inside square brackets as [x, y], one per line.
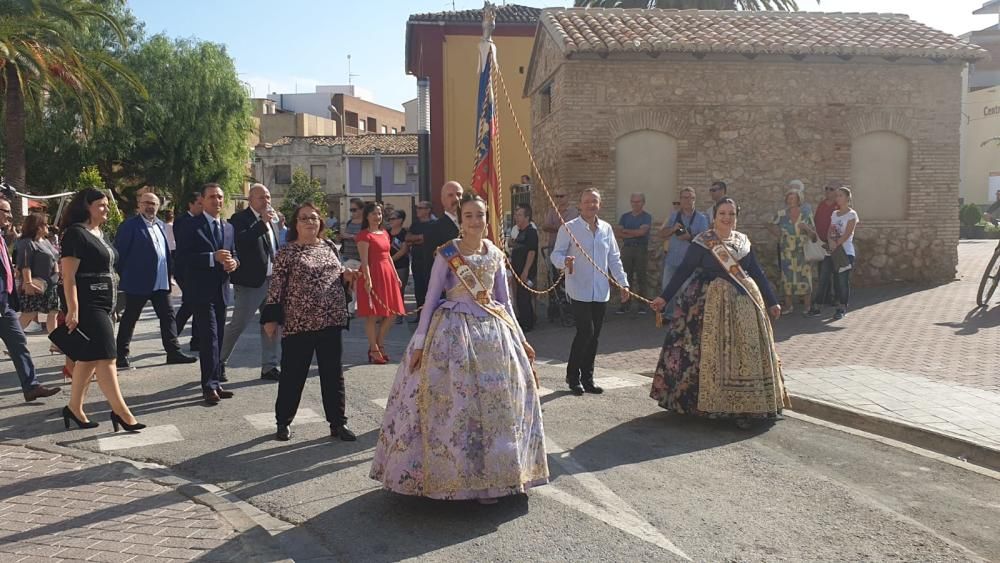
[379, 298]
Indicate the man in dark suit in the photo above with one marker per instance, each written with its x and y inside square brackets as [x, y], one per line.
[10, 327]
[207, 248]
[145, 266]
[184, 311]
[256, 241]
[446, 227]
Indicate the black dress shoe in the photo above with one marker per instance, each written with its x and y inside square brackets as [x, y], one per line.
[223, 394]
[576, 389]
[39, 392]
[272, 374]
[283, 434]
[592, 389]
[180, 358]
[123, 363]
[343, 433]
[211, 397]
[222, 375]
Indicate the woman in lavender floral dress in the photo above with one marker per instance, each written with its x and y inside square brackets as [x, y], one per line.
[463, 420]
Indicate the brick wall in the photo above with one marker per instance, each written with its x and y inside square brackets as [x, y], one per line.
[757, 125]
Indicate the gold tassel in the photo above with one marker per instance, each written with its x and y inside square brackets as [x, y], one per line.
[659, 319]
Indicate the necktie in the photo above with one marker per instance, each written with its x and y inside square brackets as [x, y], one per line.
[217, 233]
[8, 276]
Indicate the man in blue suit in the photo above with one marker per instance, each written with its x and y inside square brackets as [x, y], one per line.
[184, 311]
[206, 245]
[145, 266]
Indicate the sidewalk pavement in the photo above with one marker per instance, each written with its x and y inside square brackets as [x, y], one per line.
[914, 363]
[58, 504]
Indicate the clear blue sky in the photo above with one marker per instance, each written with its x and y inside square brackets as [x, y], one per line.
[281, 45]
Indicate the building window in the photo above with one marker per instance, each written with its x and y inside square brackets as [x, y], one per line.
[545, 100]
[880, 171]
[362, 125]
[372, 124]
[283, 174]
[394, 131]
[318, 172]
[383, 130]
[399, 171]
[367, 172]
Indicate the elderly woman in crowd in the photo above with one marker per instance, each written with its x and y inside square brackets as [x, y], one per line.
[308, 298]
[794, 227]
[718, 358]
[37, 264]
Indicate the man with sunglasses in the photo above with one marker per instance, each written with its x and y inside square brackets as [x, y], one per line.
[551, 226]
[421, 253]
[824, 213]
[349, 248]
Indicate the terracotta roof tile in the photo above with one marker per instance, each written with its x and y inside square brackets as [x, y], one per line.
[617, 30]
[362, 144]
[509, 14]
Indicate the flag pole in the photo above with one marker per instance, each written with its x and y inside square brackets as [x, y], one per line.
[485, 174]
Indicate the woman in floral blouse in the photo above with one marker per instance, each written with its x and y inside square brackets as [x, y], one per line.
[307, 298]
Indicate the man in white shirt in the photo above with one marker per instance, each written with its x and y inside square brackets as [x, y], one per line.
[588, 287]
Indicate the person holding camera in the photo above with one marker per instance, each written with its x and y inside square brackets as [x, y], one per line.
[681, 227]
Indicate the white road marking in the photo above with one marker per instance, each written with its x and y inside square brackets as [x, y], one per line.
[616, 512]
[615, 382]
[381, 402]
[265, 420]
[148, 437]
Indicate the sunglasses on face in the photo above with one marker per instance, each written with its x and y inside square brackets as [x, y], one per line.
[715, 189]
[560, 195]
[829, 189]
[353, 209]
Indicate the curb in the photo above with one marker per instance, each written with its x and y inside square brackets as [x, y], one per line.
[256, 543]
[922, 437]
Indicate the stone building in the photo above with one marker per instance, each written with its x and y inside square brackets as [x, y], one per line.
[654, 100]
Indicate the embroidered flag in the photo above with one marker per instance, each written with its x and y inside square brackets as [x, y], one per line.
[485, 176]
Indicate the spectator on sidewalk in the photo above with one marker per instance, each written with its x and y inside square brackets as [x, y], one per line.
[843, 223]
[347, 238]
[824, 281]
[400, 251]
[718, 359]
[794, 228]
[524, 259]
[38, 266]
[379, 298]
[87, 264]
[307, 298]
[256, 245]
[716, 191]
[10, 328]
[992, 214]
[682, 226]
[421, 253]
[634, 227]
[563, 211]
[587, 286]
[145, 266]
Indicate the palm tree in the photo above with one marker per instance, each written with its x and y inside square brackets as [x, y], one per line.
[752, 5]
[41, 64]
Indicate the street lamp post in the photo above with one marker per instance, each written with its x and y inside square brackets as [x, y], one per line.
[378, 176]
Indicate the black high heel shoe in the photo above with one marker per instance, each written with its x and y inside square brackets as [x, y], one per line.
[117, 421]
[68, 416]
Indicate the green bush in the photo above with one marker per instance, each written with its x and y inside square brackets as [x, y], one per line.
[970, 215]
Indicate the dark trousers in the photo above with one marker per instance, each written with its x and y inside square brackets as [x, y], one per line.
[421, 277]
[589, 320]
[842, 285]
[17, 345]
[824, 285]
[134, 305]
[211, 320]
[524, 307]
[634, 261]
[296, 356]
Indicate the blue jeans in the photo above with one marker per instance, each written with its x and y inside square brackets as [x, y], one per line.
[13, 337]
[842, 285]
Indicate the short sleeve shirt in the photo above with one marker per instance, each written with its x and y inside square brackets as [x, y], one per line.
[526, 241]
[631, 221]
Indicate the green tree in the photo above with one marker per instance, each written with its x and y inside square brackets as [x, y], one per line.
[90, 177]
[301, 190]
[751, 5]
[42, 67]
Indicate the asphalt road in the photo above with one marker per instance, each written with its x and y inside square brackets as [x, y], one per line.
[629, 481]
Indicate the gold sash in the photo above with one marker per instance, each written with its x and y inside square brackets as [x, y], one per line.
[711, 241]
[456, 261]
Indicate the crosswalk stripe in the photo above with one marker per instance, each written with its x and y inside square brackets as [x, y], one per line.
[265, 420]
[151, 436]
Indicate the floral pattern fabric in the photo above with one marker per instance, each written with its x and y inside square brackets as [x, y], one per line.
[796, 272]
[467, 423]
[306, 286]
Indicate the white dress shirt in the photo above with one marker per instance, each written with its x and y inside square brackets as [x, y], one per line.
[586, 283]
[270, 238]
[160, 245]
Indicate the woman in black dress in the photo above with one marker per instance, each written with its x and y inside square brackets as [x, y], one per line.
[87, 262]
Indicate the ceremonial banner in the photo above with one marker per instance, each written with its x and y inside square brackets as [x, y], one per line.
[485, 176]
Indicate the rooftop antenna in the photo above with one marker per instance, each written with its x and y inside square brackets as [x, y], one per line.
[350, 77]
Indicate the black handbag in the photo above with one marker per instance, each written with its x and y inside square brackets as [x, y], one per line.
[73, 344]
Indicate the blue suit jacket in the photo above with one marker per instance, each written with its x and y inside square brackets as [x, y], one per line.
[204, 279]
[137, 256]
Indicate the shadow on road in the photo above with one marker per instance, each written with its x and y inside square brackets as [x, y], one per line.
[975, 320]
